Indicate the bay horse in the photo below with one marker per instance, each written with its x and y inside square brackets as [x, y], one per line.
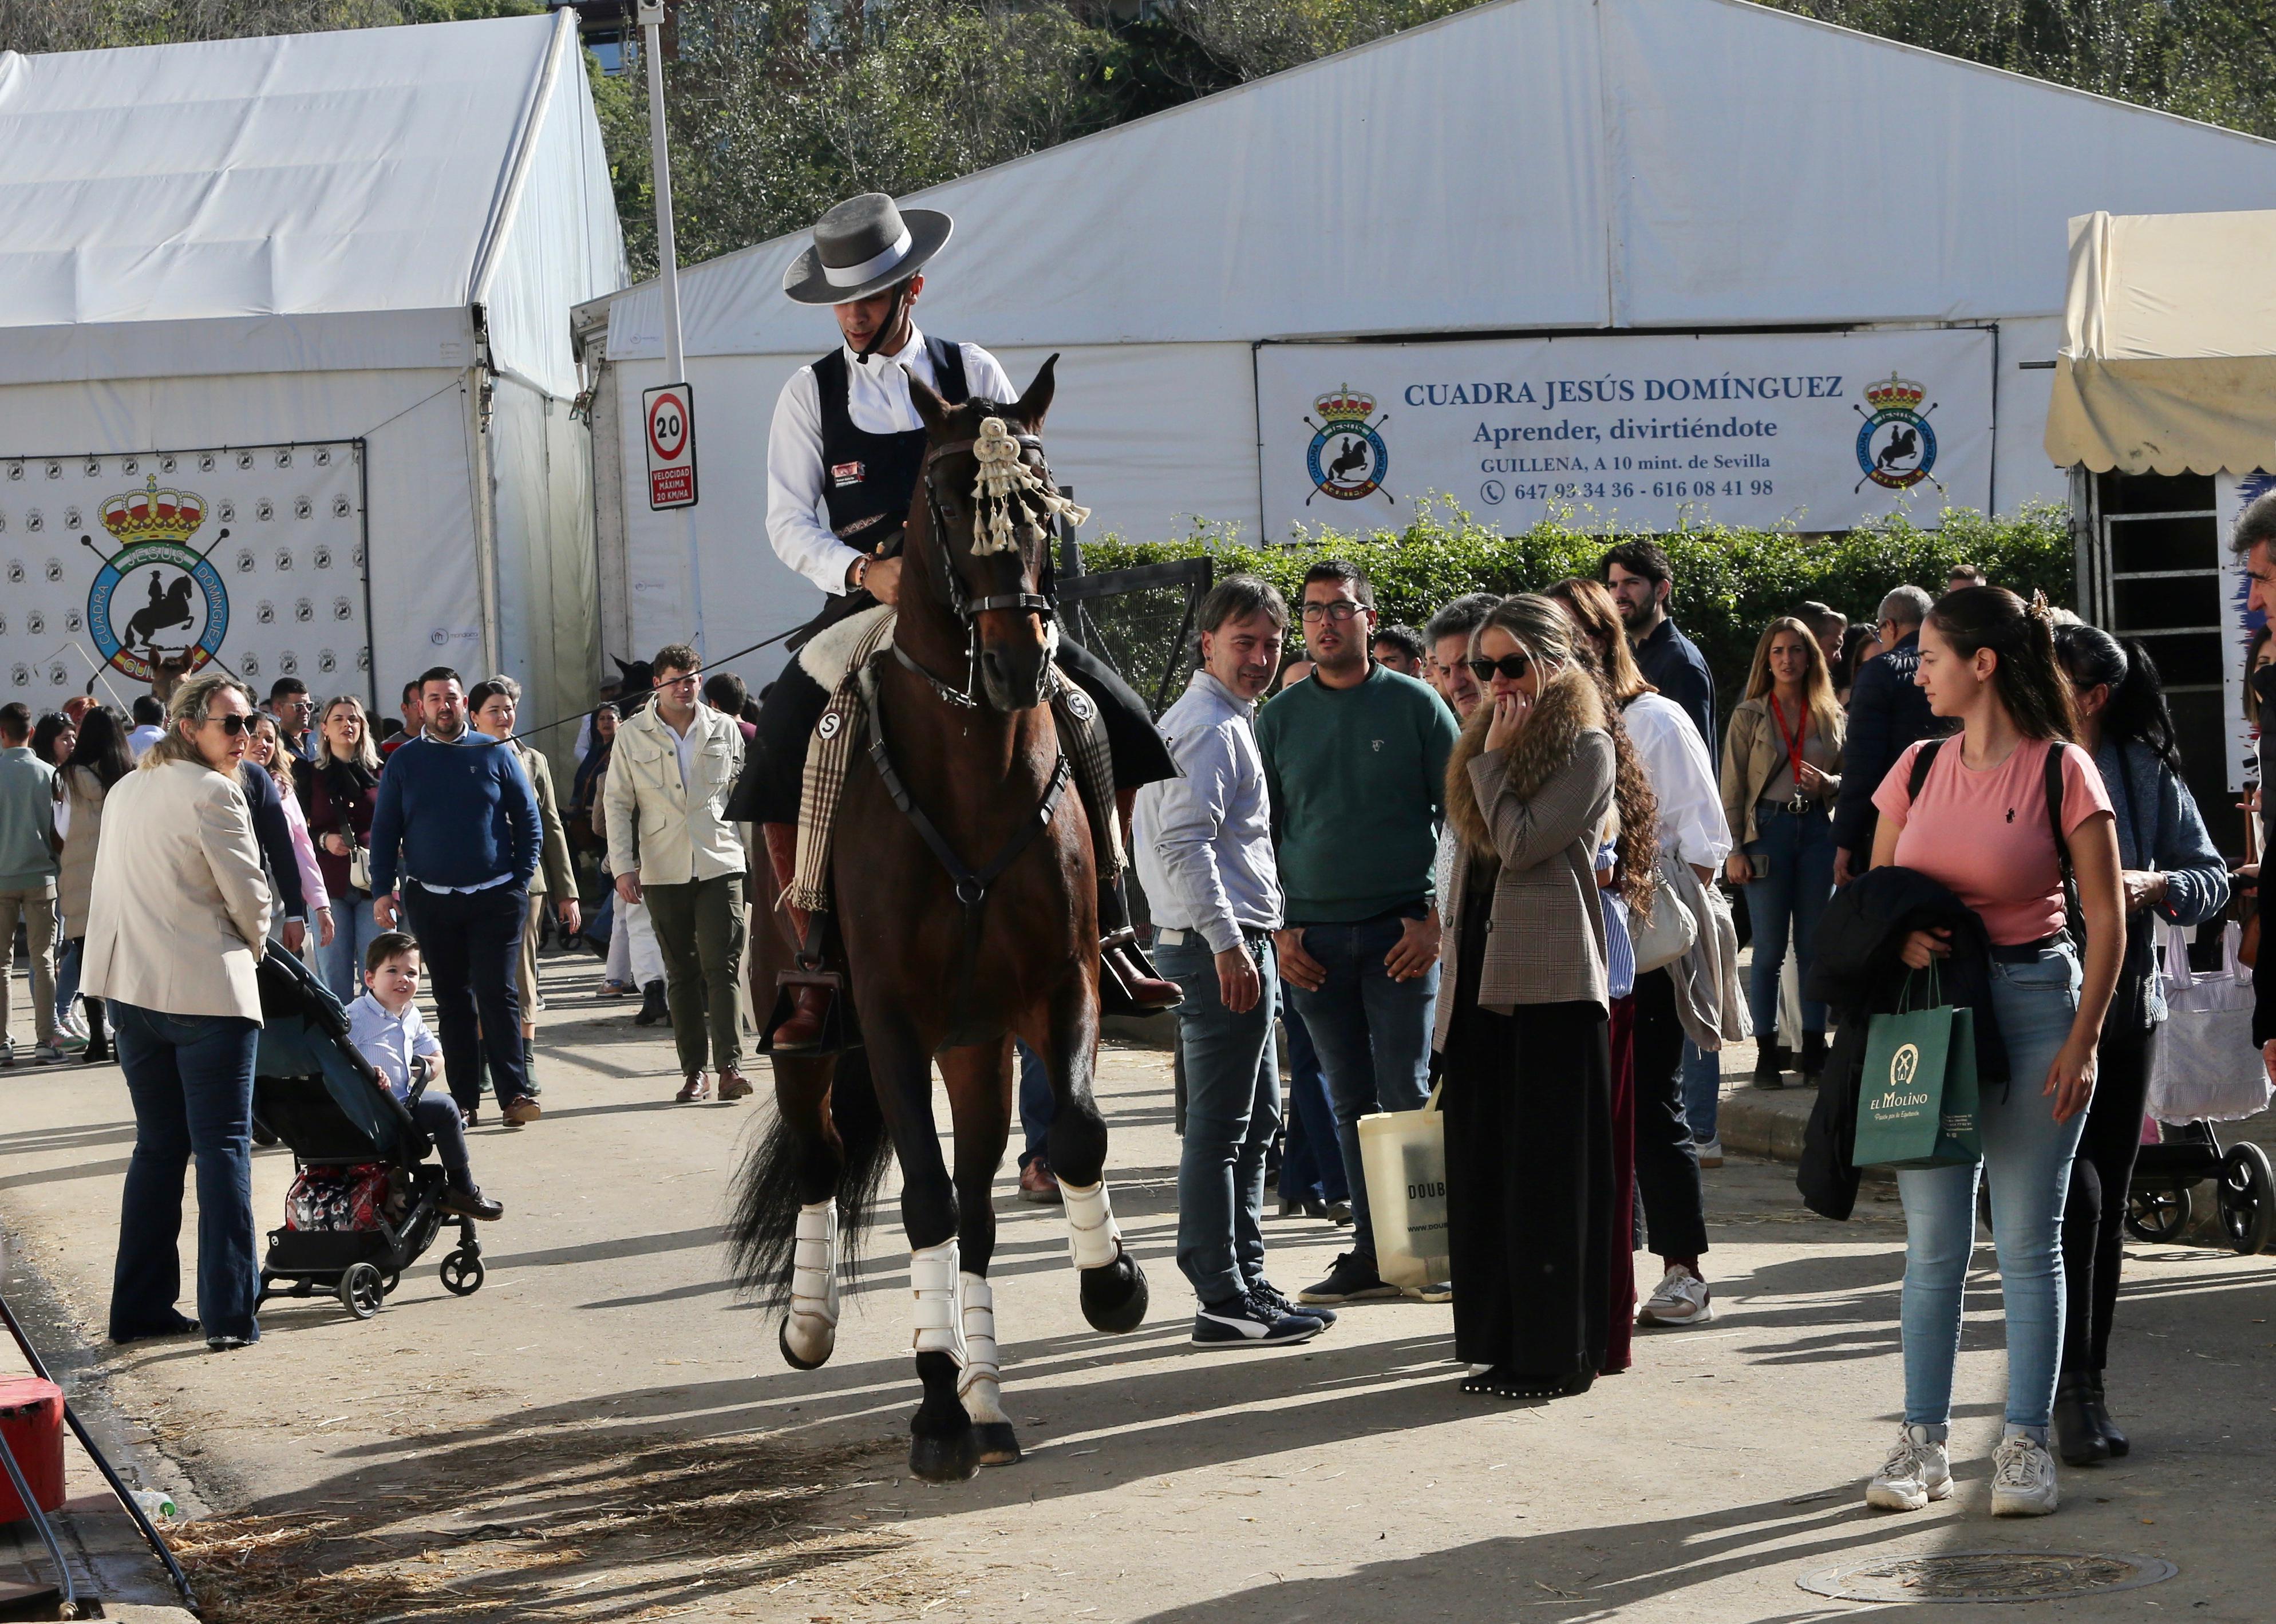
[946, 970]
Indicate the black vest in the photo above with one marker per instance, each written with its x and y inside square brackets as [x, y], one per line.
[869, 480]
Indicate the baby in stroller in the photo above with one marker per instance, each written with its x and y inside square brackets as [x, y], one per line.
[387, 1029]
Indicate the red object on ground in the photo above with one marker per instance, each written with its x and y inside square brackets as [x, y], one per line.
[32, 1421]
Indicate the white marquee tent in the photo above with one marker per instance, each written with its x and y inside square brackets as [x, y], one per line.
[285, 359]
[1626, 173]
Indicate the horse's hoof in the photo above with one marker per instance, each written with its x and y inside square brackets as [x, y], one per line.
[1114, 1295]
[998, 1445]
[951, 1459]
[790, 1355]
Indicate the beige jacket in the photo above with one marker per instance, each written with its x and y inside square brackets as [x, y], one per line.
[83, 794]
[179, 908]
[1539, 808]
[1753, 752]
[667, 834]
[555, 877]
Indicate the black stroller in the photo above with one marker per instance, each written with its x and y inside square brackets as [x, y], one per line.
[2158, 1206]
[314, 1091]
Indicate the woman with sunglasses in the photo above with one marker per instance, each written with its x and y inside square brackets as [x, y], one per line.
[1521, 1017]
[176, 922]
[1781, 770]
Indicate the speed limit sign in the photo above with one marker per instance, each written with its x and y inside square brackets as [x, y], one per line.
[669, 414]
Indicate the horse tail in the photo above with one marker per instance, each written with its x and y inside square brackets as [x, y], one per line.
[763, 1233]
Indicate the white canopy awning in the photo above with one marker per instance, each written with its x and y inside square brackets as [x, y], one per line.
[2168, 363]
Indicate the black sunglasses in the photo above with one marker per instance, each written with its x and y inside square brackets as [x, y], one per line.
[232, 725]
[1511, 666]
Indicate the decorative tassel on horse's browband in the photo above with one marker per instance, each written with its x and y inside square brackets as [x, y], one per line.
[1004, 477]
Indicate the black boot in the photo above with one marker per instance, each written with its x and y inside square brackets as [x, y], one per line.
[1770, 1064]
[2099, 1413]
[529, 1066]
[1813, 1056]
[653, 1007]
[98, 1033]
[2076, 1440]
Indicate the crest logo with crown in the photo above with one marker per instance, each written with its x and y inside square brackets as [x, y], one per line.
[1347, 457]
[1896, 446]
[181, 610]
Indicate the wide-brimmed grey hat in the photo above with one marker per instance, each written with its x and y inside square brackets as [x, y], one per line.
[862, 247]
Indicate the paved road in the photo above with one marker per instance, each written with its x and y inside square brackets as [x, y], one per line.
[606, 1431]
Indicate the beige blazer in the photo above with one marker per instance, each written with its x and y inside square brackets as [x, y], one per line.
[179, 910]
[665, 834]
[1754, 752]
[84, 794]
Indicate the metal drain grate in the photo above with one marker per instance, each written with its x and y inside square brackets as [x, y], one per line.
[1989, 1576]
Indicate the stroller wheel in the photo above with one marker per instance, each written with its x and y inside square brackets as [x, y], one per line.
[361, 1290]
[462, 1274]
[388, 1282]
[2247, 1193]
[2156, 1213]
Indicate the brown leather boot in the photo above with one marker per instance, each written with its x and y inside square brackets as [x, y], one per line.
[809, 1000]
[1127, 984]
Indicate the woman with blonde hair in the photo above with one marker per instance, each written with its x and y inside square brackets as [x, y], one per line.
[1522, 1013]
[264, 748]
[1782, 770]
[343, 794]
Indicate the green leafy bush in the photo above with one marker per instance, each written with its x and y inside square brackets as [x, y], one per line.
[1729, 583]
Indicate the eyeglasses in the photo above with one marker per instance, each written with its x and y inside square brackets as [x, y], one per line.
[233, 726]
[1511, 667]
[1342, 611]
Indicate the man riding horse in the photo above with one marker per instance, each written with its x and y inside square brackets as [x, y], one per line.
[843, 461]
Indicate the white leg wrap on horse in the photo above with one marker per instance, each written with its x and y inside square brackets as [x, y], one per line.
[1092, 1236]
[812, 1330]
[981, 1386]
[940, 1316]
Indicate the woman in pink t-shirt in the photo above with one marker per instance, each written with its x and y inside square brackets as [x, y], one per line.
[1980, 824]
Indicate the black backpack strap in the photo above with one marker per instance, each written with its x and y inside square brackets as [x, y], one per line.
[1923, 759]
[2072, 918]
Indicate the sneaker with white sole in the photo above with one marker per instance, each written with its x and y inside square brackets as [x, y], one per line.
[1710, 1152]
[1919, 1470]
[47, 1054]
[1680, 1299]
[2023, 1478]
[1248, 1322]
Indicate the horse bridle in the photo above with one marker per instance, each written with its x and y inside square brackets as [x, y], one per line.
[968, 608]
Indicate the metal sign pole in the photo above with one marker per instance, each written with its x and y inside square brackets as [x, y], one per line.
[651, 22]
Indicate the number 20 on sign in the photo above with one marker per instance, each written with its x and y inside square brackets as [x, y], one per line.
[669, 417]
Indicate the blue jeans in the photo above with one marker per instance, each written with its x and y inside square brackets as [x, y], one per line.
[2028, 1155]
[191, 1080]
[67, 964]
[1373, 1036]
[341, 965]
[1035, 1102]
[1791, 897]
[1312, 1162]
[1233, 1109]
[1702, 1090]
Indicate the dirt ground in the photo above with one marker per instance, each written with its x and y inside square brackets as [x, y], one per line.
[606, 1433]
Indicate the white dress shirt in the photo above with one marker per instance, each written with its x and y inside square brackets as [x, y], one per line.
[1691, 821]
[878, 401]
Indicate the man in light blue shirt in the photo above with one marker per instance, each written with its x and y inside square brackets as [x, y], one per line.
[1204, 856]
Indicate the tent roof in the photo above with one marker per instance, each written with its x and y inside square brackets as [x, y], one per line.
[2168, 362]
[235, 195]
[1531, 165]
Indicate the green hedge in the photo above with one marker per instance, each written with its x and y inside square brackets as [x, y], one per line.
[1729, 583]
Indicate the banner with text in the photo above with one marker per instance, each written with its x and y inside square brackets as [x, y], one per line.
[1820, 431]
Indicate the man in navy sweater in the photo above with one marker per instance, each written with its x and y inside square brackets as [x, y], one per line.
[457, 823]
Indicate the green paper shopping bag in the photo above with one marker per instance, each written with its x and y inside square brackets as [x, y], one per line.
[1916, 1103]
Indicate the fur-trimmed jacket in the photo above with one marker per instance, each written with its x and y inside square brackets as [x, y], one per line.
[1536, 809]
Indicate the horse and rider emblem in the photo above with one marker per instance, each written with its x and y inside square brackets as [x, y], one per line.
[1347, 459]
[1896, 447]
[155, 599]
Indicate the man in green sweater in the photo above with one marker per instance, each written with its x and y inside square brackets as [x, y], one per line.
[1355, 762]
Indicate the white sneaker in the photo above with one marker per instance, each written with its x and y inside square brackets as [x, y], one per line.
[1919, 1470]
[47, 1054]
[1682, 1298]
[2023, 1478]
[1710, 1152]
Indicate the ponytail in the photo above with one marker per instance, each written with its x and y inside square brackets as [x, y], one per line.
[2028, 679]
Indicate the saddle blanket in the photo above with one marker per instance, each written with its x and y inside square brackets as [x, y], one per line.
[839, 659]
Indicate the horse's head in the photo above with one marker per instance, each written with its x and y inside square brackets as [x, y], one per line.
[991, 504]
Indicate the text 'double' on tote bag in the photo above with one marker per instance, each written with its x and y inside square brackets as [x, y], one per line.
[1403, 1154]
[1917, 1100]
[2207, 1067]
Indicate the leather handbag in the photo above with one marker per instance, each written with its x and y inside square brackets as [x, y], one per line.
[359, 863]
[1670, 932]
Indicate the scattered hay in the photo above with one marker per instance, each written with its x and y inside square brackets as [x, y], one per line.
[562, 1526]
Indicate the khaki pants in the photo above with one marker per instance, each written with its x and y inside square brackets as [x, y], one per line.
[37, 910]
[700, 928]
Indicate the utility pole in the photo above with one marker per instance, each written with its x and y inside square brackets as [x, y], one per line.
[650, 17]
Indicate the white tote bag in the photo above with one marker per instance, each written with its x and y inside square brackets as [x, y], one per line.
[1403, 1154]
[2207, 1067]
